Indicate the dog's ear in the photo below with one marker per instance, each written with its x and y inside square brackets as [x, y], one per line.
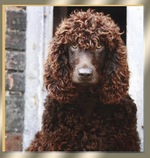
[57, 74]
[115, 80]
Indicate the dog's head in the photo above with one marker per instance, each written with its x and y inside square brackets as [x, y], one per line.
[86, 65]
[87, 50]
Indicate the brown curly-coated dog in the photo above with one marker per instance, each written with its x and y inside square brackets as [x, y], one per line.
[87, 78]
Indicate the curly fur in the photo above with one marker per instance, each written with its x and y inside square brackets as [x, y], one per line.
[101, 117]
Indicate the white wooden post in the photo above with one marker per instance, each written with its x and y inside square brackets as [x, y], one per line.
[38, 34]
[135, 49]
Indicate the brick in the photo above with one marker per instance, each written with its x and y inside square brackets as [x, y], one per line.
[13, 142]
[15, 82]
[16, 19]
[15, 60]
[15, 40]
[14, 113]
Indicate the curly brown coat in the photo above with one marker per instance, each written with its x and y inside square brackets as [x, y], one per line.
[101, 117]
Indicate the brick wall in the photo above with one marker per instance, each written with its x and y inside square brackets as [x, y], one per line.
[15, 79]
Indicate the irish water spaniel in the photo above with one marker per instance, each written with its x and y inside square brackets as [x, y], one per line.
[88, 107]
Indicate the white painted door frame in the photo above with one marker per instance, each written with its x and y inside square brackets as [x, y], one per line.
[38, 35]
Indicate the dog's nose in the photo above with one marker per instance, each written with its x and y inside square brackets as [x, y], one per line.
[85, 72]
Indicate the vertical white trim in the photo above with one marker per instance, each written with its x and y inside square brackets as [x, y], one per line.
[48, 29]
[37, 35]
[135, 49]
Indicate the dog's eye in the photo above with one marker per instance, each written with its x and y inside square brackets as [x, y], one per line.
[74, 46]
[98, 46]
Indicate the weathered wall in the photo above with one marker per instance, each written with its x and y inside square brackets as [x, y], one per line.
[15, 79]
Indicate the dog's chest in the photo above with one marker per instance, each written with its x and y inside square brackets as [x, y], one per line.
[87, 127]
